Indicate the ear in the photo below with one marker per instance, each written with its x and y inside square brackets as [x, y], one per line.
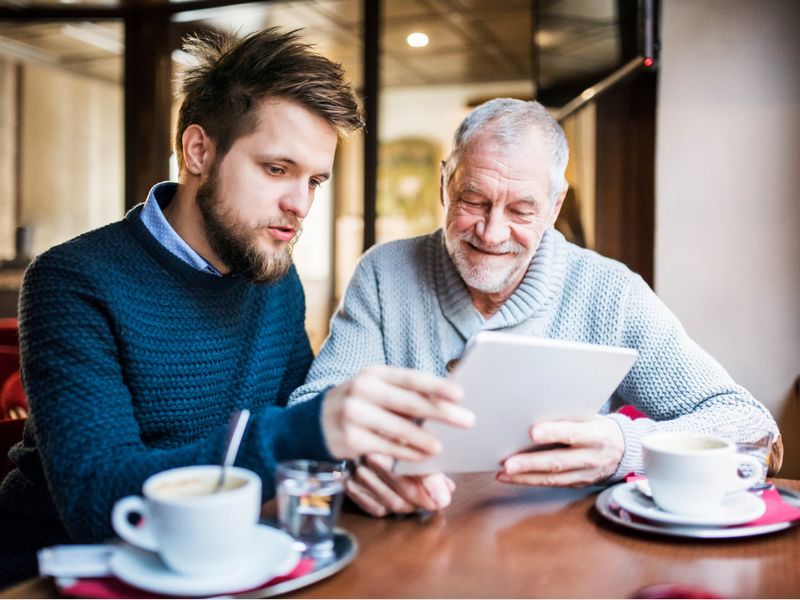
[198, 150]
[559, 204]
[441, 181]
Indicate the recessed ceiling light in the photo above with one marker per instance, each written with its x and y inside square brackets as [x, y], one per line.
[417, 40]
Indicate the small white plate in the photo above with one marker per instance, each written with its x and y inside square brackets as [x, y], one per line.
[736, 508]
[272, 555]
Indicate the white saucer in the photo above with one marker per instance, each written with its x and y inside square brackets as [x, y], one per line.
[272, 555]
[736, 508]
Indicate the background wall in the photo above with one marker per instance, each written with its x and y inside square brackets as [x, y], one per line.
[8, 121]
[72, 144]
[727, 258]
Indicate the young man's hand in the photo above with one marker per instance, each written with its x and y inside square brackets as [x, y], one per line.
[373, 412]
[377, 490]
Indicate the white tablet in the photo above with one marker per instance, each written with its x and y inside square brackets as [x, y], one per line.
[513, 381]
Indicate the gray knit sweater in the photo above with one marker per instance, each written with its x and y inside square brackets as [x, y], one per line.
[407, 306]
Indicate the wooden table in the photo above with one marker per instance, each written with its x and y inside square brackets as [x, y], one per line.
[500, 540]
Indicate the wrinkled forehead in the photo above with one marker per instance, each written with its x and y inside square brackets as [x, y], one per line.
[490, 160]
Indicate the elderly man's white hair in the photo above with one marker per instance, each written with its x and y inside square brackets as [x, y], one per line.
[508, 121]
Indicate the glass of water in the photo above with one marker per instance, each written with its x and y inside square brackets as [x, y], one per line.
[310, 495]
[750, 441]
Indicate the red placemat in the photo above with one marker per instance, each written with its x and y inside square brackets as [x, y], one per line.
[111, 587]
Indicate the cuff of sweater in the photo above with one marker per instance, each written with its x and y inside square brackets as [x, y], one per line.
[633, 432]
[301, 434]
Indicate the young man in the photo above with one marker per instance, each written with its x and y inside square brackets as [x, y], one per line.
[139, 339]
[498, 264]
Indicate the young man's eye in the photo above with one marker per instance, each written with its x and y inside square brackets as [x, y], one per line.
[274, 170]
[314, 183]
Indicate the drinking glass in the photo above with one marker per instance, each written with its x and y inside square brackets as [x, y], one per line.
[751, 442]
[310, 495]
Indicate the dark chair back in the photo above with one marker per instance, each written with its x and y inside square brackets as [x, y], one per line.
[10, 434]
[9, 332]
[9, 362]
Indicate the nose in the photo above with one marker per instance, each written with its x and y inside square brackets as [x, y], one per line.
[297, 200]
[493, 229]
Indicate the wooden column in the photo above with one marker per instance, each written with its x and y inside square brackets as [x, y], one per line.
[148, 99]
[535, 50]
[626, 158]
[625, 167]
[372, 84]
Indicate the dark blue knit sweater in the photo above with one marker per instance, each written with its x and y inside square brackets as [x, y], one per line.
[132, 362]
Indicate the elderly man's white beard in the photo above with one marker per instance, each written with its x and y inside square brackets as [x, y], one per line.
[491, 275]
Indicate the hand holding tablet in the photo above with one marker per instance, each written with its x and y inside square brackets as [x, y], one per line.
[512, 382]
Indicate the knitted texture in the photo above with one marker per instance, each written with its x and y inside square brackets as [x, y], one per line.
[407, 306]
[132, 362]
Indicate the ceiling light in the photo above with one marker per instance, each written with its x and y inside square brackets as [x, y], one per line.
[417, 40]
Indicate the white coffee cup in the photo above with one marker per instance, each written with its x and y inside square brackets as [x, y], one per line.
[689, 474]
[193, 529]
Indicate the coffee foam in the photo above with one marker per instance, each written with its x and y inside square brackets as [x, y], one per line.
[196, 486]
[687, 443]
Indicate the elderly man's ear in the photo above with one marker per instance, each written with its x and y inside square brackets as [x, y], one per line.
[552, 220]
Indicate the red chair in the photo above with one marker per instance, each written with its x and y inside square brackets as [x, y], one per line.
[10, 434]
[12, 399]
[9, 332]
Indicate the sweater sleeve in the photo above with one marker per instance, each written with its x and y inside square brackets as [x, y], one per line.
[83, 416]
[356, 338]
[677, 385]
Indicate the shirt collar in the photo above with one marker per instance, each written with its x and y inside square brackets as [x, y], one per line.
[153, 218]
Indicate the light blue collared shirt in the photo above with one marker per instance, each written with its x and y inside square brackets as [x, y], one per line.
[155, 221]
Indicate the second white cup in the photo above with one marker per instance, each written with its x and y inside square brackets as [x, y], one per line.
[689, 474]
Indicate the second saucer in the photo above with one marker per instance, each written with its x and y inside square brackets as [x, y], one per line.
[736, 509]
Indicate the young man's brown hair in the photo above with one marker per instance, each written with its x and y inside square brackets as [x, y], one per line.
[231, 77]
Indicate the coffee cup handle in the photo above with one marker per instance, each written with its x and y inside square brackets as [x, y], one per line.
[745, 483]
[138, 535]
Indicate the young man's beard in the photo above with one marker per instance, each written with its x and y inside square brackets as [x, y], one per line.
[236, 244]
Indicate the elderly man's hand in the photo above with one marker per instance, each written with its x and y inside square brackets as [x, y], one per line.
[379, 491]
[373, 412]
[592, 453]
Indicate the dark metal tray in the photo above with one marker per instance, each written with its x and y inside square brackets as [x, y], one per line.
[345, 549]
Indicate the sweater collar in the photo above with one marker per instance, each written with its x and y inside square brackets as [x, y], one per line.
[536, 293]
[171, 263]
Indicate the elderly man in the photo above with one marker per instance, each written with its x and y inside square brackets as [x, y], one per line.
[500, 265]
